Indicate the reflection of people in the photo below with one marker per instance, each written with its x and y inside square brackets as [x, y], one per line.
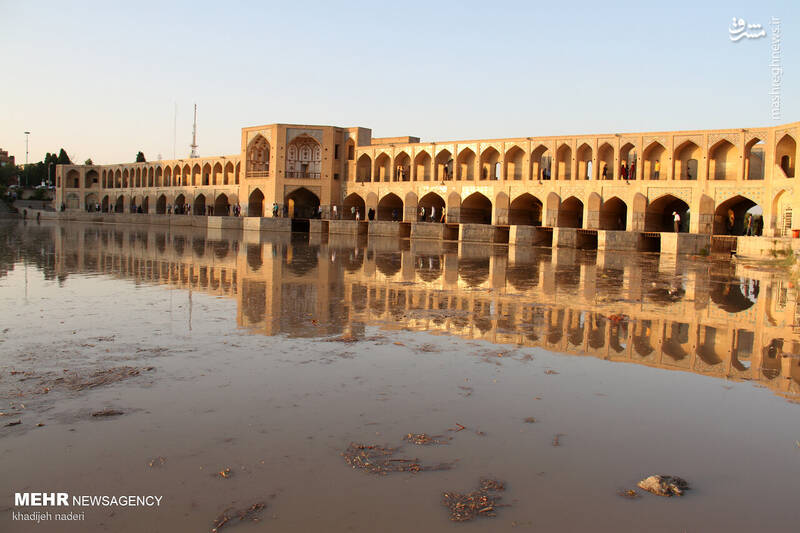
[676, 220]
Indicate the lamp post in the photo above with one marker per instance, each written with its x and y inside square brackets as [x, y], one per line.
[27, 133]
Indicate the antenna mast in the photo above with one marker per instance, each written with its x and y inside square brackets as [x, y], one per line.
[194, 135]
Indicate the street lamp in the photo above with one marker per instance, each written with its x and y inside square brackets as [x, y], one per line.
[27, 133]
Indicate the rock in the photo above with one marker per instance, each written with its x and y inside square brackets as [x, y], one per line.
[664, 485]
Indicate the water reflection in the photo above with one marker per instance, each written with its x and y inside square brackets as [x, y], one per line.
[706, 317]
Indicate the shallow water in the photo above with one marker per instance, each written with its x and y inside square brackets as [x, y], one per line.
[239, 344]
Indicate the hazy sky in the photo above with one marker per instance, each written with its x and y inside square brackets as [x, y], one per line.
[102, 79]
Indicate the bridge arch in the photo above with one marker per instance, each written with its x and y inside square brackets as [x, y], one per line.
[226, 173]
[255, 203]
[353, 200]
[199, 205]
[605, 160]
[383, 170]
[390, 207]
[570, 213]
[422, 166]
[364, 168]
[724, 161]
[258, 152]
[489, 164]
[221, 205]
[476, 209]
[754, 159]
[402, 167]
[443, 170]
[216, 174]
[730, 216]
[659, 214]
[613, 214]
[432, 201]
[685, 161]
[466, 165]
[540, 163]
[196, 174]
[161, 205]
[514, 162]
[654, 157]
[563, 167]
[786, 155]
[525, 210]
[552, 205]
[302, 203]
[584, 156]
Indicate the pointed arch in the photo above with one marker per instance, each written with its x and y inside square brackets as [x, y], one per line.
[466, 165]
[383, 171]
[730, 216]
[614, 214]
[605, 162]
[216, 174]
[364, 168]
[476, 209]
[161, 205]
[221, 205]
[570, 213]
[433, 203]
[659, 214]
[255, 203]
[443, 170]
[525, 210]
[353, 203]
[686, 160]
[402, 167]
[302, 203]
[227, 172]
[422, 166]
[258, 155]
[786, 155]
[563, 167]
[584, 157]
[390, 207]
[724, 161]
[199, 205]
[754, 159]
[514, 163]
[304, 158]
[654, 158]
[540, 163]
[489, 162]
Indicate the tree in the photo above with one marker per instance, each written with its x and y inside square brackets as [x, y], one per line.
[140, 157]
[63, 158]
[88, 162]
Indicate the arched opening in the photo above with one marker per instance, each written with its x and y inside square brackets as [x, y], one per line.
[216, 174]
[161, 205]
[402, 167]
[302, 203]
[146, 205]
[613, 214]
[236, 170]
[563, 168]
[785, 154]
[382, 168]
[257, 164]
[723, 161]
[738, 216]
[476, 209]
[199, 205]
[180, 205]
[627, 161]
[540, 163]
[686, 157]
[754, 159]
[150, 177]
[92, 203]
[168, 177]
[119, 205]
[444, 166]
[584, 154]
[432, 203]
[221, 206]
[422, 167]
[466, 165]
[364, 168]
[605, 162]
[206, 174]
[227, 172]
[653, 158]
[660, 214]
[570, 213]
[73, 179]
[783, 211]
[138, 181]
[390, 208]
[159, 181]
[514, 163]
[353, 204]
[104, 204]
[255, 204]
[489, 159]
[92, 179]
[525, 210]
[303, 158]
[195, 175]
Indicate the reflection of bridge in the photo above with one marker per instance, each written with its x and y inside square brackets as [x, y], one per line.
[704, 318]
[631, 182]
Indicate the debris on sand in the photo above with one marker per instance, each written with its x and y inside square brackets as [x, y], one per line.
[557, 439]
[100, 377]
[458, 428]
[14, 423]
[467, 391]
[550, 372]
[108, 412]
[347, 337]
[225, 473]
[230, 514]
[530, 420]
[377, 459]
[422, 439]
[664, 485]
[629, 494]
[481, 502]
[156, 462]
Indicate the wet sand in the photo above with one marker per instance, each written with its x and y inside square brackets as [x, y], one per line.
[229, 379]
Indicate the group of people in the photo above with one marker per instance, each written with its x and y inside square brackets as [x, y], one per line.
[431, 216]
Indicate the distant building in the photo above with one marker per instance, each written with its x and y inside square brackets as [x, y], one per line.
[6, 159]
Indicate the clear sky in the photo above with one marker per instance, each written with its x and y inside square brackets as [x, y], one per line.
[102, 79]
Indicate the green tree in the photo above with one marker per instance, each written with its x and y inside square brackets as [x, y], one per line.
[88, 162]
[140, 157]
[63, 158]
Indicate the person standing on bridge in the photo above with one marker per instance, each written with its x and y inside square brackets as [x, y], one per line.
[422, 214]
[656, 169]
[433, 213]
[633, 170]
[623, 171]
[335, 213]
[605, 172]
[676, 220]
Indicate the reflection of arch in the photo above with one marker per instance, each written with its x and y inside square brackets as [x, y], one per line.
[677, 340]
[523, 276]
[613, 214]
[729, 216]
[254, 260]
[734, 295]
[390, 208]
[389, 264]
[476, 209]
[428, 267]
[474, 271]
[353, 201]
[525, 210]
[364, 168]
[658, 215]
[255, 204]
[786, 154]
[706, 349]
[642, 343]
[302, 260]
[570, 213]
[466, 165]
[302, 203]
